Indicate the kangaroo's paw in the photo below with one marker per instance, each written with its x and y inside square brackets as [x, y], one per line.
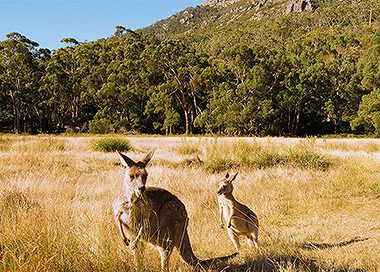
[126, 241]
[133, 245]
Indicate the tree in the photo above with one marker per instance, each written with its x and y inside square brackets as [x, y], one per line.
[19, 80]
[369, 113]
[177, 71]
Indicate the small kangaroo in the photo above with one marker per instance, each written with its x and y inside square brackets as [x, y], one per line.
[154, 216]
[240, 220]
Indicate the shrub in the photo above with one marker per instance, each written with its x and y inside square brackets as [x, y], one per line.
[100, 126]
[217, 164]
[112, 144]
[307, 158]
[267, 157]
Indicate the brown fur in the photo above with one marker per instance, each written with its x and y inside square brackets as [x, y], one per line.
[240, 220]
[154, 216]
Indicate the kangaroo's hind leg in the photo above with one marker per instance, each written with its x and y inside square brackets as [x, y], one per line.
[234, 238]
[253, 241]
[253, 227]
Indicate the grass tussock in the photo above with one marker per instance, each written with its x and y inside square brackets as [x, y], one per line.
[111, 144]
[186, 148]
[369, 147]
[5, 143]
[13, 201]
[224, 156]
[56, 207]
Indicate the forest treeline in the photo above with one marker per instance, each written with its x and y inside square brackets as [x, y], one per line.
[322, 81]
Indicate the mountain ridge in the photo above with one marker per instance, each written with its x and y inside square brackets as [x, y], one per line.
[220, 13]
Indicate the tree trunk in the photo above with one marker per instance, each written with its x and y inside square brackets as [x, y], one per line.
[187, 123]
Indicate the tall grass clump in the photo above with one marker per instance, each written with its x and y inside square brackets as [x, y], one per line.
[112, 144]
[222, 156]
[372, 148]
[368, 147]
[5, 143]
[306, 155]
[41, 144]
[51, 144]
[186, 148]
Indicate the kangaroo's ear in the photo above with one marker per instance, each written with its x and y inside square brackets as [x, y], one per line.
[233, 177]
[125, 161]
[148, 157]
[227, 176]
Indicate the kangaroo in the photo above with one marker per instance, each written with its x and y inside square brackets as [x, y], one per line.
[240, 220]
[154, 216]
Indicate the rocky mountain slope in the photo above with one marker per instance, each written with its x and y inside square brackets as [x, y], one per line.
[220, 13]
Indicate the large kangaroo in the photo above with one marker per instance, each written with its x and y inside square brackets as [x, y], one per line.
[153, 215]
[240, 220]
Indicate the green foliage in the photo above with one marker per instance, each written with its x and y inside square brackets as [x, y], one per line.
[246, 71]
[217, 164]
[369, 113]
[112, 144]
[101, 126]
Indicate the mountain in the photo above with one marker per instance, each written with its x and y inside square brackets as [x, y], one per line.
[221, 13]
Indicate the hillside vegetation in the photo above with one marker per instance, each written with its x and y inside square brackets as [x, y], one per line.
[241, 69]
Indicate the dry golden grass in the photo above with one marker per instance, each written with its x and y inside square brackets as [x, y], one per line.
[56, 195]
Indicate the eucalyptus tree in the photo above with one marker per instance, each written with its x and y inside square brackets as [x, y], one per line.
[122, 96]
[368, 114]
[241, 102]
[19, 79]
[176, 72]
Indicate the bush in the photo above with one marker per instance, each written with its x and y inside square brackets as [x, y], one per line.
[244, 154]
[307, 157]
[100, 126]
[112, 144]
[217, 164]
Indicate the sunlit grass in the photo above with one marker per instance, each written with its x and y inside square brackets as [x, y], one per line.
[55, 204]
[352, 146]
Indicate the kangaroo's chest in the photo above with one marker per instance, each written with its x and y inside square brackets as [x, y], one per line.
[135, 216]
[227, 207]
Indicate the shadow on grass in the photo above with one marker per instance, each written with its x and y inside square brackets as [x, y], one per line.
[314, 246]
[294, 262]
[284, 263]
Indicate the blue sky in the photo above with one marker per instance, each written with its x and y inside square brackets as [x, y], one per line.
[48, 21]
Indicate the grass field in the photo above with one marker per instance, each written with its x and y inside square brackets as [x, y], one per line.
[318, 201]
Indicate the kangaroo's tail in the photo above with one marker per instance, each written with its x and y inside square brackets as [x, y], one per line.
[189, 257]
[186, 251]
